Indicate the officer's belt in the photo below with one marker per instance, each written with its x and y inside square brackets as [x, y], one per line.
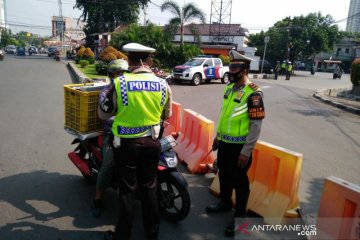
[232, 138]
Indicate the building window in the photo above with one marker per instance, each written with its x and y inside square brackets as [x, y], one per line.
[347, 50]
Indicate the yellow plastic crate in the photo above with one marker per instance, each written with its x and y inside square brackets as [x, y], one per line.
[81, 109]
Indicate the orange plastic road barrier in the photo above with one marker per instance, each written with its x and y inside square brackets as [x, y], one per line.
[195, 141]
[274, 181]
[173, 124]
[339, 211]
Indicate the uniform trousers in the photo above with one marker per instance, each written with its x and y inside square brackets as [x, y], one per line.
[231, 176]
[136, 170]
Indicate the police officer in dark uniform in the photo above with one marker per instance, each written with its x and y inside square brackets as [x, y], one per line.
[138, 100]
[238, 130]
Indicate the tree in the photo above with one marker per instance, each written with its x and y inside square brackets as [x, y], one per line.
[298, 38]
[7, 39]
[105, 15]
[166, 55]
[182, 15]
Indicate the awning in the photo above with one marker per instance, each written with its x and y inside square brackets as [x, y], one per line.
[333, 61]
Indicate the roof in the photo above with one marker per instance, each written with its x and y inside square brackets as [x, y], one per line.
[204, 29]
[332, 61]
[121, 28]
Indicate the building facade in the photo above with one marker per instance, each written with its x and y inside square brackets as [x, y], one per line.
[2, 13]
[2, 16]
[73, 29]
[237, 39]
[353, 20]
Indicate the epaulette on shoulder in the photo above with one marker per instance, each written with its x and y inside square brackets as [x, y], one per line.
[254, 87]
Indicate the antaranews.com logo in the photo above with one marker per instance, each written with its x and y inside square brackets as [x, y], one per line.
[296, 228]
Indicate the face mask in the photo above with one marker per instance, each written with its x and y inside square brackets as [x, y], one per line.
[234, 77]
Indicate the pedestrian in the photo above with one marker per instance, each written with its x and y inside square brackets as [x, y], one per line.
[283, 68]
[238, 130]
[115, 69]
[288, 70]
[277, 69]
[139, 100]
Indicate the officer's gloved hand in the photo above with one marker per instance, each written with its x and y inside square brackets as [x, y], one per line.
[215, 145]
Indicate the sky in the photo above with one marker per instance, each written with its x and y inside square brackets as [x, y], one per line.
[255, 15]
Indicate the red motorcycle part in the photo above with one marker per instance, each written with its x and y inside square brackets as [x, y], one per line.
[79, 163]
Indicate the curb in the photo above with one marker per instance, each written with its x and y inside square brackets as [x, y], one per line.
[77, 74]
[261, 76]
[319, 95]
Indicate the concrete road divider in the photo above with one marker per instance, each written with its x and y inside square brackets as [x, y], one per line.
[173, 124]
[339, 211]
[274, 181]
[195, 141]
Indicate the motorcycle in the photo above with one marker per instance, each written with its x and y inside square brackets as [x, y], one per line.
[161, 74]
[173, 196]
[1, 55]
[57, 55]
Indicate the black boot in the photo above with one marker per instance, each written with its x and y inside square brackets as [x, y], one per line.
[230, 230]
[96, 208]
[221, 206]
[241, 203]
[153, 232]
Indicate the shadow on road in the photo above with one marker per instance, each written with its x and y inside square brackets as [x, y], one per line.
[310, 205]
[47, 197]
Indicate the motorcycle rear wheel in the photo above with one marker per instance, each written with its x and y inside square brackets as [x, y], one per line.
[174, 200]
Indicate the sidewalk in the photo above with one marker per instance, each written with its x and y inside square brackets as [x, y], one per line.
[330, 96]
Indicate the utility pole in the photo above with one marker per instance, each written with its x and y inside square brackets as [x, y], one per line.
[266, 40]
[61, 25]
[145, 13]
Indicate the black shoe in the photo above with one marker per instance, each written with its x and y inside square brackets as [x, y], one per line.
[230, 231]
[219, 207]
[109, 235]
[153, 232]
[96, 208]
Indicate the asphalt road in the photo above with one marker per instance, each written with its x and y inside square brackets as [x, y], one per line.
[43, 196]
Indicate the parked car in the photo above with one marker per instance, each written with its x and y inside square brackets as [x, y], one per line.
[51, 51]
[201, 68]
[20, 51]
[10, 49]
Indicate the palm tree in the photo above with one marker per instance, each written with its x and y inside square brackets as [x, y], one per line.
[183, 15]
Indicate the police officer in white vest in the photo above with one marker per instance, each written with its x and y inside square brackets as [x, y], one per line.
[139, 100]
[238, 130]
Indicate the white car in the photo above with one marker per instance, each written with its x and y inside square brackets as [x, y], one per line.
[11, 49]
[201, 68]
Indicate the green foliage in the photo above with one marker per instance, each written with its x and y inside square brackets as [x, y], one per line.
[91, 60]
[167, 55]
[7, 39]
[148, 35]
[101, 67]
[106, 15]
[77, 60]
[355, 72]
[307, 35]
[84, 63]
[225, 59]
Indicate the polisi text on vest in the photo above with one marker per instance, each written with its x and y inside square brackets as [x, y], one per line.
[144, 86]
